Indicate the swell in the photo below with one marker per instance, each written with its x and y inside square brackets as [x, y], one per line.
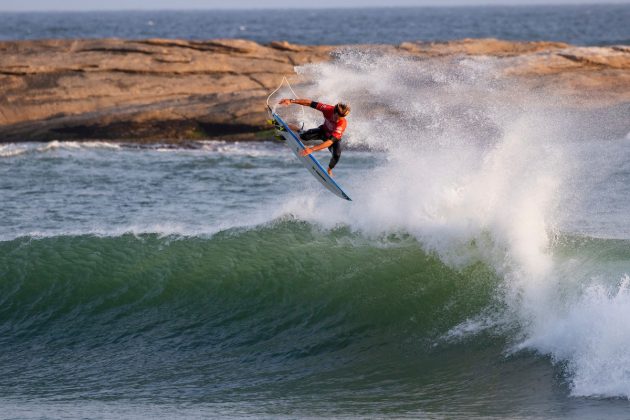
[237, 288]
[285, 310]
[243, 313]
[245, 287]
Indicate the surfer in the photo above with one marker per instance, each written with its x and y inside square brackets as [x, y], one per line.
[329, 132]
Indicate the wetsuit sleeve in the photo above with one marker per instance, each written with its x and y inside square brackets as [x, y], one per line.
[325, 109]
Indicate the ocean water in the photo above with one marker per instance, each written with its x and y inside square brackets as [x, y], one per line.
[580, 25]
[482, 269]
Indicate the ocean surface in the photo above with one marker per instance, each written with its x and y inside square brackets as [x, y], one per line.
[482, 269]
[580, 25]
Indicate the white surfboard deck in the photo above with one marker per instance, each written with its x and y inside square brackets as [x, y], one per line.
[309, 162]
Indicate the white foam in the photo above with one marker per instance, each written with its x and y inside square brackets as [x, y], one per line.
[11, 150]
[16, 149]
[442, 181]
[471, 327]
[476, 169]
[249, 149]
[591, 332]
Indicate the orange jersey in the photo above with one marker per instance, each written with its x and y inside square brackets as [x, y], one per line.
[333, 128]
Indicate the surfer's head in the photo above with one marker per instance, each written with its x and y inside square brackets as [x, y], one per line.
[342, 109]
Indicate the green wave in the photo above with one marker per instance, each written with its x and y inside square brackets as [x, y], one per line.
[282, 310]
[236, 288]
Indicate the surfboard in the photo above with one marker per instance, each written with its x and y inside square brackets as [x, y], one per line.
[314, 167]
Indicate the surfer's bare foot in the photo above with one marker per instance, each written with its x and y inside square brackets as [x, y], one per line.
[330, 172]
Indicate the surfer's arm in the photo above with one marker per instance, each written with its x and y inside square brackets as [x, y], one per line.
[303, 102]
[317, 148]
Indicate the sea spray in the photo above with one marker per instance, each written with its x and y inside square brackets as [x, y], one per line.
[476, 169]
[588, 331]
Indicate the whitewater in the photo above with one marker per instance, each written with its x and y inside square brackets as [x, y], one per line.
[483, 268]
[477, 170]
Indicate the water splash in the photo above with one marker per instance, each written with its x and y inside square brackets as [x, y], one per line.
[477, 169]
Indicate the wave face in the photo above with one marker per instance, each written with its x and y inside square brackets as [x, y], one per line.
[481, 270]
[287, 312]
[242, 314]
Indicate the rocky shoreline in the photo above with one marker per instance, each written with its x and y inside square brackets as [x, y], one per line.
[176, 90]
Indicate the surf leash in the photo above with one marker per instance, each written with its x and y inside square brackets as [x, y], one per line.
[284, 79]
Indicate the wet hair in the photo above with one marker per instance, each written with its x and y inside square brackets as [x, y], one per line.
[342, 109]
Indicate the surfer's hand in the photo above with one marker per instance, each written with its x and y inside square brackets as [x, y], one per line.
[285, 102]
[306, 151]
[330, 172]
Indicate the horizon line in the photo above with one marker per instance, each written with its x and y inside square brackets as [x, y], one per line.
[525, 3]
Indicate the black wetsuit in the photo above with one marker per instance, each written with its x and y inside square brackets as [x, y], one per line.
[319, 133]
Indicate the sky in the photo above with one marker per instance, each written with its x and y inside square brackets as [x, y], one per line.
[85, 5]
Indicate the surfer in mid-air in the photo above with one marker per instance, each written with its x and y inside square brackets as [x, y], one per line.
[330, 132]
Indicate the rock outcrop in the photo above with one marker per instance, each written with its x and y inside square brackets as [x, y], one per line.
[166, 90]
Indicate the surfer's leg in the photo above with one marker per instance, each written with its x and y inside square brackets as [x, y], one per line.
[335, 149]
[313, 134]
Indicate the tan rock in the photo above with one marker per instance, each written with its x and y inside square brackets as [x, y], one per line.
[158, 89]
[487, 46]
